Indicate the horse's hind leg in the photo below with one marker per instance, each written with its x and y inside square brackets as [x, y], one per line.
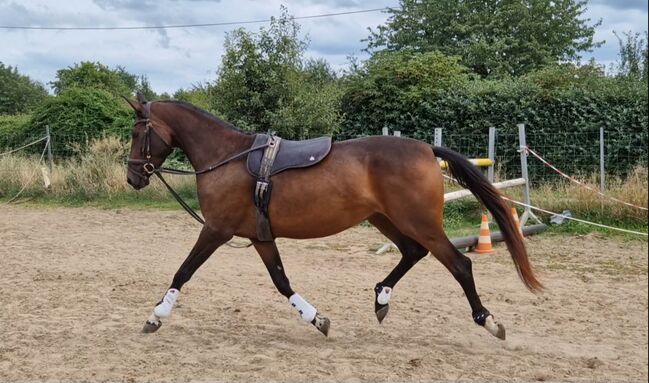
[461, 267]
[270, 256]
[208, 241]
[411, 253]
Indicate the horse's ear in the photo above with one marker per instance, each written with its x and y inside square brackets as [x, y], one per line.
[140, 98]
[134, 104]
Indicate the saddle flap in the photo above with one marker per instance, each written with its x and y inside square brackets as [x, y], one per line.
[291, 154]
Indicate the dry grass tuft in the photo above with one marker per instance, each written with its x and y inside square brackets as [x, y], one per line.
[98, 170]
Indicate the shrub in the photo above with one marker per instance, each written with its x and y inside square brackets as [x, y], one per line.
[77, 115]
[11, 130]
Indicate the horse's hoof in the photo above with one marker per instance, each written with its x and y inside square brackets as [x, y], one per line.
[322, 324]
[150, 327]
[496, 329]
[382, 312]
[500, 334]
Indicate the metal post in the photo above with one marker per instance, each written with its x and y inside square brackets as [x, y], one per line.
[492, 153]
[385, 131]
[388, 246]
[48, 142]
[602, 180]
[524, 173]
[437, 138]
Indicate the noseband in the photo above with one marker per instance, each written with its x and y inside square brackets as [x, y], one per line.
[147, 166]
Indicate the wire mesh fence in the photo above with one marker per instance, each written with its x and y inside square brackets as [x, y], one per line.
[62, 145]
[577, 154]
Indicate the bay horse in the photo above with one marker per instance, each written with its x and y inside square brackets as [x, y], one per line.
[394, 183]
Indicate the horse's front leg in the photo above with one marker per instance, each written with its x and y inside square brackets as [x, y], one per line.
[208, 241]
[270, 256]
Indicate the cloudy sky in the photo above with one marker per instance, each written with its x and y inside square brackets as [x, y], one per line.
[178, 58]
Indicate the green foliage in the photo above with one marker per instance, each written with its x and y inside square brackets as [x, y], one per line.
[199, 95]
[12, 124]
[143, 86]
[633, 55]
[313, 112]
[77, 115]
[389, 88]
[12, 128]
[553, 101]
[265, 83]
[97, 76]
[568, 76]
[494, 37]
[18, 93]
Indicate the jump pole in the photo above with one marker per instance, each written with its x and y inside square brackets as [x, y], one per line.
[472, 240]
[498, 185]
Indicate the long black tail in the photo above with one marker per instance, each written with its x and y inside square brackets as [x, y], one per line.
[470, 177]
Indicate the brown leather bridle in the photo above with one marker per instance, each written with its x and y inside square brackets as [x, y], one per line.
[147, 166]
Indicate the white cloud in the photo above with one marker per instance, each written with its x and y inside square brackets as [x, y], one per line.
[176, 58]
[172, 58]
[616, 16]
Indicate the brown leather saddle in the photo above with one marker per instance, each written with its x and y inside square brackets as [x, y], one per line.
[278, 156]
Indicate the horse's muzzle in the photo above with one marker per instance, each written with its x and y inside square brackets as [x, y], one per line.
[137, 181]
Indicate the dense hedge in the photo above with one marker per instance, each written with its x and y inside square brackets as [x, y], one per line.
[552, 104]
[12, 130]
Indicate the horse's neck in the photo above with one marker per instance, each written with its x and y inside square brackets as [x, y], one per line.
[207, 142]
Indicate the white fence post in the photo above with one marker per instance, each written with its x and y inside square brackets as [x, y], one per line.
[437, 138]
[522, 141]
[602, 180]
[48, 142]
[492, 153]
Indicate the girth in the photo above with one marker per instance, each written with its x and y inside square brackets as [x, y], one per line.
[279, 155]
[263, 188]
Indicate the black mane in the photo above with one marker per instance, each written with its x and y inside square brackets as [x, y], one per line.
[206, 114]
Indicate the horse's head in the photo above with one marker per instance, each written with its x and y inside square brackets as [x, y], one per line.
[151, 143]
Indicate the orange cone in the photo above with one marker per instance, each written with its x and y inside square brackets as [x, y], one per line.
[484, 240]
[517, 221]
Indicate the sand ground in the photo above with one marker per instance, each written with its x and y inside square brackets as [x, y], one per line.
[78, 283]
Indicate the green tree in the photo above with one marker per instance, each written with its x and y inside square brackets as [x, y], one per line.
[98, 76]
[632, 54]
[200, 95]
[493, 37]
[18, 93]
[143, 86]
[264, 82]
[313, 107]
[388, 88]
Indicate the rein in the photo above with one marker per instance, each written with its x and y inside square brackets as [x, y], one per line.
[149, 168]
[159, 171]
